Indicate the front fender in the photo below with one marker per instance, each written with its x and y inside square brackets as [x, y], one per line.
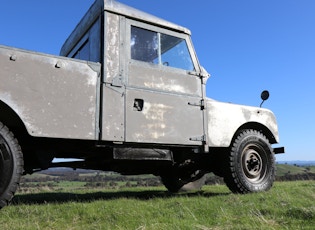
[224, 119]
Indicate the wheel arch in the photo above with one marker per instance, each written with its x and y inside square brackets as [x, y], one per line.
[258, 127]
[228, 135]
[12, 120]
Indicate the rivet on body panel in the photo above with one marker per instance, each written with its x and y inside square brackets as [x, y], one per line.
[59, 65]
[13, 57]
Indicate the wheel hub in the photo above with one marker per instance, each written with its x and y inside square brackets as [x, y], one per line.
[252, 164]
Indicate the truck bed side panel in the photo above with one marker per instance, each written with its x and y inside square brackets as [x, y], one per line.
[54, 97]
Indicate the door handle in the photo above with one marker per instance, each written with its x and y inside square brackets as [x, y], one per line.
[138, 104]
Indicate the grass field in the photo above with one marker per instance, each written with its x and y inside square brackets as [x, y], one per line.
[292, 169]
[288, 205]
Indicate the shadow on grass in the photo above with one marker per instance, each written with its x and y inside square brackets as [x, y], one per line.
[64, 197]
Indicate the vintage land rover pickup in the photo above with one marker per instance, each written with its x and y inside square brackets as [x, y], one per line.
[127, 94]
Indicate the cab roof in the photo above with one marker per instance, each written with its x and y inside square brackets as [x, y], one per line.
[113, 6]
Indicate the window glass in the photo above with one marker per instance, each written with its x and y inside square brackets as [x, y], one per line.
[83, 52]
[89, 46]
[144, 45]
[160, 49]
[174, 52]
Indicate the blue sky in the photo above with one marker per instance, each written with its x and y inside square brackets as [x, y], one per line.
[247, 46]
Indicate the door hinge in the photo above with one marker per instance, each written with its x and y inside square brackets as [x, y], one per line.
[204, 74]
[117, 81]
[202, 138]
[201, 104]
[117, 84]
[193, 73]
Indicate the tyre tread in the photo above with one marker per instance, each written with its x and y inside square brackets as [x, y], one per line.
[231, 177]
[16, 150]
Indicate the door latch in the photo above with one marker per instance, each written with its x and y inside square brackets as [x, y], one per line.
[200, 138]
[201, 104]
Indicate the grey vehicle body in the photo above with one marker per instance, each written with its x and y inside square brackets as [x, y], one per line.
[128, 87]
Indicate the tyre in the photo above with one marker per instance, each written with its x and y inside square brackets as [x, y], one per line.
[11, 165]
[175, 183]
[251, 163]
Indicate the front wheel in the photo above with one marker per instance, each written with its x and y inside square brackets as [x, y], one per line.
[11, 165]
[251, 163]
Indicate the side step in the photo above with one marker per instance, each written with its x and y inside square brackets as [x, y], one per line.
[142, 154]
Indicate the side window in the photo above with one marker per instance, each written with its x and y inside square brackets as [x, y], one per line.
[89, 46]
[144, 45]
[83, 52]
[160, 49]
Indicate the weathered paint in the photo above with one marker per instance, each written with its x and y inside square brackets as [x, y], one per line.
[113, 115]
[165, 118]
[145, 75]
[113, 125]
[112, 45]
[52, 100]
[224, 119]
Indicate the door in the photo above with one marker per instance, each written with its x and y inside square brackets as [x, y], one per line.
[163, 98]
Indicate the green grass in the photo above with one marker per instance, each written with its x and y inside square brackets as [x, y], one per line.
[288, 205]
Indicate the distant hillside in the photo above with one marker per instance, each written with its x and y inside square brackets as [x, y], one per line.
[299, 163]
[285, 172]
[283, 169]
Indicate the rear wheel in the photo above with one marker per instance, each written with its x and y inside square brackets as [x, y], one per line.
[11, 165]
[251, 163]
[176, 180]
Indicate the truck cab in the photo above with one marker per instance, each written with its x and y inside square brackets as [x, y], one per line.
[150, 75]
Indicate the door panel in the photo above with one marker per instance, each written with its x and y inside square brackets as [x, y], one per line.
[162, 118]
[162, 105]
[145, 76]
[162, 98]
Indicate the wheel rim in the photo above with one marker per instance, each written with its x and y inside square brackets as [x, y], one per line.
[253, 163]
